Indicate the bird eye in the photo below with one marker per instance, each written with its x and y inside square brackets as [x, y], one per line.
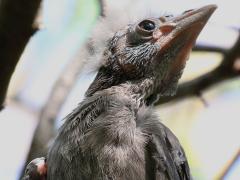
[147, 25]
[143, 31]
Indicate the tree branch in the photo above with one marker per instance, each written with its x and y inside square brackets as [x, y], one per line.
[62, 87]
[223, 72]
[16, 28]
[45, 130]
[203, 48]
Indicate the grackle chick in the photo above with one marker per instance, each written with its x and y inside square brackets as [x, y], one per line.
[114, 133]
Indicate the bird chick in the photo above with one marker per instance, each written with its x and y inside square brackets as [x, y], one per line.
[114, 134]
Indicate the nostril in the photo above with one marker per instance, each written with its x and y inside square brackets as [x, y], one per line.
[166, 17]
[188, 11]
[169, 16]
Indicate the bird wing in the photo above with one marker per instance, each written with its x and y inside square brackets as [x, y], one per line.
[169, 159]
[65, 157]
[165, 158]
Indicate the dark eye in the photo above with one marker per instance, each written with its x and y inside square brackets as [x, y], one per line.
[143, 31]
[147, 25]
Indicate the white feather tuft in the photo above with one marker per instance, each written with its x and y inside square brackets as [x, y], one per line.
[116, 17]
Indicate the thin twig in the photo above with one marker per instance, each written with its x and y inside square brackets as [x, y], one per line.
[204, 48]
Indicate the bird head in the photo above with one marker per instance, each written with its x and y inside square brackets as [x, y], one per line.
[155, 49]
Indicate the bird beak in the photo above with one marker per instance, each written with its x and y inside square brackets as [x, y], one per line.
[176, 36]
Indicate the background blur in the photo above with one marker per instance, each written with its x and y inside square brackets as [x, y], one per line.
[209, 131]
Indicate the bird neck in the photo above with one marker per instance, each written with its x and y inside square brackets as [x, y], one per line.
[138, 91]
[143, 87]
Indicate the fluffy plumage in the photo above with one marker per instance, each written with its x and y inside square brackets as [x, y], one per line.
[114, 134]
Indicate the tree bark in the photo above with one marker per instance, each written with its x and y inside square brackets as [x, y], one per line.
[45, 129]
[16, 28]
